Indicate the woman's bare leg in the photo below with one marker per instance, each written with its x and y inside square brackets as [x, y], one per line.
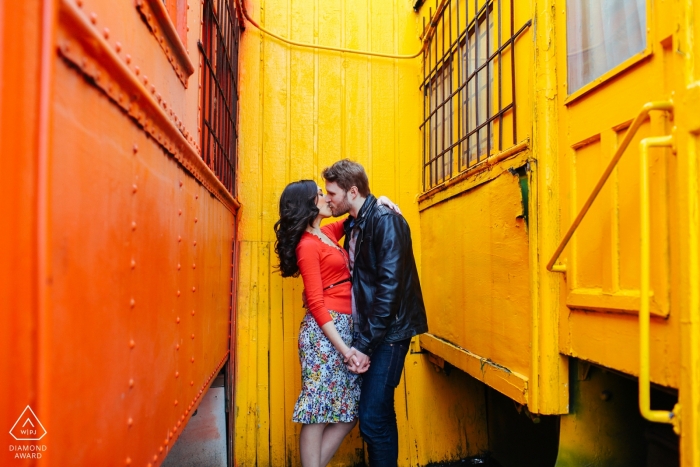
[333, 435]
[310, 442]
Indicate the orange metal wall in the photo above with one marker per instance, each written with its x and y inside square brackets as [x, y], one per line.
[116, 273]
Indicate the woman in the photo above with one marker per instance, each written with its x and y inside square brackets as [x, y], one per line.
[328, 403]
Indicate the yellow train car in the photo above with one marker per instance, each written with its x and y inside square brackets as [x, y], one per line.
[544, 154]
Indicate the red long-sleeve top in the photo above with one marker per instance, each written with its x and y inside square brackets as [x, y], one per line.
[322, 265]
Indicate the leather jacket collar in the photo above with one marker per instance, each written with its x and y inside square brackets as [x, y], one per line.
[365, 211]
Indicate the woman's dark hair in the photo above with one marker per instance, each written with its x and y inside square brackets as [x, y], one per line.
[297, 211]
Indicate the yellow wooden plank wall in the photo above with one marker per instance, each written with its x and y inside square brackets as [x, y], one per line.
[300, 111]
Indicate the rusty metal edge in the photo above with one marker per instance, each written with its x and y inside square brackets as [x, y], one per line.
[80, 43]
[165, 33]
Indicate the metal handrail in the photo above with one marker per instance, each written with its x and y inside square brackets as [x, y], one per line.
[666, 106]
[659, 416]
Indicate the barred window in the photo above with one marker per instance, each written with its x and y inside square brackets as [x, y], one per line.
[221, 34]
[468, 106]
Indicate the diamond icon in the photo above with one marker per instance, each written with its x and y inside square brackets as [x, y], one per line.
[28, 427]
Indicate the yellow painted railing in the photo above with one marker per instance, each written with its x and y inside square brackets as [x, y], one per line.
[660, 416]
[666, 106]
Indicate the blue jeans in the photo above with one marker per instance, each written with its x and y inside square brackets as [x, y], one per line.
[377, 414]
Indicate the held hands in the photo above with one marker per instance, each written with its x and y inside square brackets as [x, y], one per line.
[356, 361]
[383, 200]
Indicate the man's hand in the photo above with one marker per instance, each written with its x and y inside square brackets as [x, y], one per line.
[356, 361]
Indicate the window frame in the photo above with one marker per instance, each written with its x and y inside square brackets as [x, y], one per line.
[613, 72]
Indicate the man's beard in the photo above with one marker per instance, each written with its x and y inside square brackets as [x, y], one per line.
[342, 208]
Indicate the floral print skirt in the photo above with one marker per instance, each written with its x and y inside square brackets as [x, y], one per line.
[329, 392]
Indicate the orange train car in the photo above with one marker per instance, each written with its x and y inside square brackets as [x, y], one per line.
[558, 251]
[119, 160]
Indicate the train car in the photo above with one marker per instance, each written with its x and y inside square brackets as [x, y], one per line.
[119, 168]
[544, 154]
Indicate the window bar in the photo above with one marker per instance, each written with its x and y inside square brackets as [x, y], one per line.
[449, 154]
[500, 82]
[212, 38]
[433, 112]
[441, 93]
[512, 69]
[221, 128]
[476, 75]
[425, 57]
[459, 95]
[488, 78]
[466, 82]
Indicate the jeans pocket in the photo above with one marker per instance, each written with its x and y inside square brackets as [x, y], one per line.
[398, 356]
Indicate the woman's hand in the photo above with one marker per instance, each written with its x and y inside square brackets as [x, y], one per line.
[356, 361]
[384, 201]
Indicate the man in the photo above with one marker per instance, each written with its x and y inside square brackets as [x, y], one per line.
[387, 302]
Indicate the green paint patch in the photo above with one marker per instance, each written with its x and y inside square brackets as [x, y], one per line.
[523, 179]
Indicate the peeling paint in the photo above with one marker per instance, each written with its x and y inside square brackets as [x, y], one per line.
[522, 173]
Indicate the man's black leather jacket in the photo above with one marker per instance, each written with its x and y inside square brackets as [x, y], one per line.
[385, 282]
